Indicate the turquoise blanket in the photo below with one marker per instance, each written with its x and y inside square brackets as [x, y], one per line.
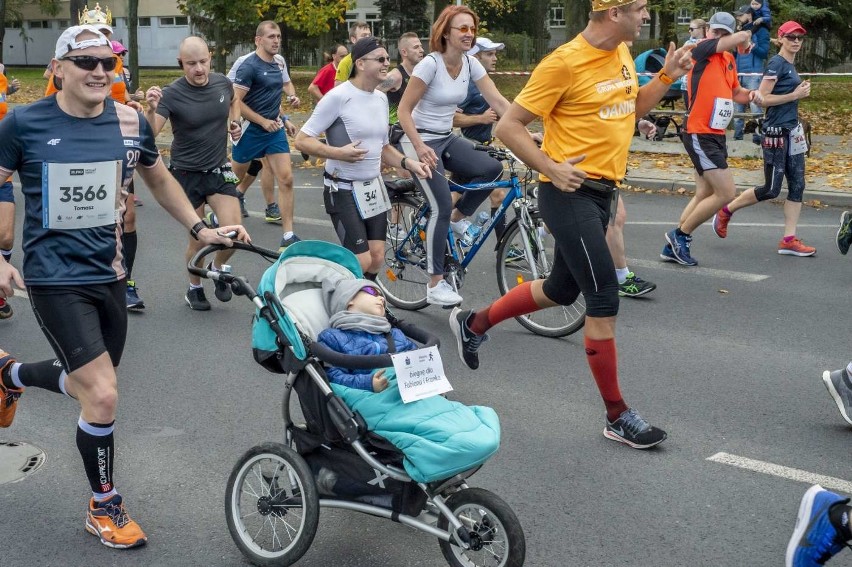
[438, 437]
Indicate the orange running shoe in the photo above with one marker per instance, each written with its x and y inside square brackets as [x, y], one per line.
[8, 396]
[109, 521]
[795, 248]
[720, 223]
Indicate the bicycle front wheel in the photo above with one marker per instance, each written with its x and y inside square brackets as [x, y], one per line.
[519, 261]
[403, 278]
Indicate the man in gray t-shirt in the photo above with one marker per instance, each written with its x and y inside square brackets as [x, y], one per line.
[203, 112]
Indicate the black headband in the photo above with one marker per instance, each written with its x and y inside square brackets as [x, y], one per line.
[364, 46]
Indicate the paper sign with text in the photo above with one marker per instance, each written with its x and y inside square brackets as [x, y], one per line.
[420, 374]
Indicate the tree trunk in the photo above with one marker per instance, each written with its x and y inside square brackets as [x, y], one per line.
[74, 9]
[133, 41]
[2, 27]
[219, 55]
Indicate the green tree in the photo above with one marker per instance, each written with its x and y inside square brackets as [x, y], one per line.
[10, 11]
[401, 16]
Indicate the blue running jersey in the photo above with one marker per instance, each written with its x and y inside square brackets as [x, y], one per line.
[41, 133]
[264, 81]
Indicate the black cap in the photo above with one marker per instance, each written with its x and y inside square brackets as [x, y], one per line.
[744, 9]
[364, 46]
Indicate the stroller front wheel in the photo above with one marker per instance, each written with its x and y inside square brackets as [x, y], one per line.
[496, 536]
[271, 505]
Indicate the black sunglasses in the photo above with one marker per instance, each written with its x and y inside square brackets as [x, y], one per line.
[795, 37]
[381, 59]
[90, 62]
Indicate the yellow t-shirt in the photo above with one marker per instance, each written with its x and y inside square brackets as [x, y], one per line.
[587, 100]
[344, 69]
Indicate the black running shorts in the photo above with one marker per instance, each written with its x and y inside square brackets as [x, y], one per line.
[707, 151]
[199, 185]
[82, 322]
[353, 232]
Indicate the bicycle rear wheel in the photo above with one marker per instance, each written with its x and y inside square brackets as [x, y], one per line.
[403, 278]
[515, 265]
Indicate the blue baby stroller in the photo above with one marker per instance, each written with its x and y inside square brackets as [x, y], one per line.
[276, 489]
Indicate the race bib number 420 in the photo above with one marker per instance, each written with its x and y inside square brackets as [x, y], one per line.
[80, 195]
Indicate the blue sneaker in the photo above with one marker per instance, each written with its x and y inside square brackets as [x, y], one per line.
[680, 248]
[666, 255]
[273, 213]
[211, 220]
[285, 242]
[815, 540]
[134, 302]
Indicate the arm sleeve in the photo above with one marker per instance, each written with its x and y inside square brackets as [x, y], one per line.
[282, 64]
[147, 143]
[232, 73]
[426, 69]
[243, 76]
[704, 49]
[325, 112]
[163, 106]
[11, 149]
[772, 69]
[477, 71]
[549, 82]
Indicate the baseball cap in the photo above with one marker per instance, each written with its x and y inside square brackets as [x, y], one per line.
[117, 47]
[790, 27]
[723, 21]
[485, 44]
[68, 40]
[745, 9]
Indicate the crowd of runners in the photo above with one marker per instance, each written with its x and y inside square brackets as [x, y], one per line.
[230, 129]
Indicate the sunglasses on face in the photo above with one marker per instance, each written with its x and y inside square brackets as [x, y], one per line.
[381, 59]
[694, 29]
[795, 37]
[465, 28]
[90, 63]
[372, 291]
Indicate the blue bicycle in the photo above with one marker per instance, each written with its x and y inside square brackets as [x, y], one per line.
[524, 253]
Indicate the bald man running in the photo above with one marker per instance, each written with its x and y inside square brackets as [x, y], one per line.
[203, 111]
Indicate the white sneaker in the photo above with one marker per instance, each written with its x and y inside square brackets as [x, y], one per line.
[442, 294]
[460, 227]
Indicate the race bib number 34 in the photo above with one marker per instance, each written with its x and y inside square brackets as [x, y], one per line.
[80, 195]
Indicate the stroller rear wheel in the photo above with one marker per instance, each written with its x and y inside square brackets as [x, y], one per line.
[271, 505]
[496, 536]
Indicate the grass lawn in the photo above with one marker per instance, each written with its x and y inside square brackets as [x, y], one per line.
[829, 108]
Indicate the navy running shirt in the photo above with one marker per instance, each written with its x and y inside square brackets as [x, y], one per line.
[476, 104]
[41, 133]
[264, 81]
[786, 80]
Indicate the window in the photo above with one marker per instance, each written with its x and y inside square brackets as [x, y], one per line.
[375, 23]
[39, 24]
[145, 22]
[173, 21]
[14, 24]
[64, 24]
[116, 22]
[557, 14]
[684, 16]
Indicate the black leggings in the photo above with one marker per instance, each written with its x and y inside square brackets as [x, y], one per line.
[457, 155]
[582, 262]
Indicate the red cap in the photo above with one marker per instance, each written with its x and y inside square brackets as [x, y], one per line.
[790, 27]
[117, 48]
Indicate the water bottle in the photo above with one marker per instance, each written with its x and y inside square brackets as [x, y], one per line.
[475, 228]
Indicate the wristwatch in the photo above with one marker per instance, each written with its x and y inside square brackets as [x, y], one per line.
[664, 78]
[197, 228]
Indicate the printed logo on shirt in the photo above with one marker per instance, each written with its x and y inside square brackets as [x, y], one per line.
[617, 110]
[222, 98]
[53, 142]
[612, 85]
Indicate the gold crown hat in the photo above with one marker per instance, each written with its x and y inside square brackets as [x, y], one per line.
[601, 5]
[95, 17]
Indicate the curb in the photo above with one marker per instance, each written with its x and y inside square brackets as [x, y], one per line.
[830, 198]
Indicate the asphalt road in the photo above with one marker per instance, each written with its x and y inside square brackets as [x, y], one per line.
[726, 358]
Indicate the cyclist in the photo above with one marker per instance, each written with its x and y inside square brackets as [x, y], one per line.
[7, 197]
[437, 86]
[81, 306]
[713, 88]
[357, 143]
[202, 109]
[583, 157]
[784, 143]
[258, 85]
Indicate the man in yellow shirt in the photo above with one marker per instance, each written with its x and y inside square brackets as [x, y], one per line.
[357, 31]
[588, 96]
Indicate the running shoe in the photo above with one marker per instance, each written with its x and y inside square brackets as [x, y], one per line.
[720, 223]
[666, 255]
[221, 290]
[109, 521]
[134, 302]
[395, 232]
[839, 385]
[815, 539]
[196, 299]
[795, 247]
[8, 396]
[285, 242]
[442, 294]
[211, 220]
[467, 341]
[844, 233]
[680, 247]
[243, 210]
[273, 213]
[634, 286]
[5, 309]
[634, 431]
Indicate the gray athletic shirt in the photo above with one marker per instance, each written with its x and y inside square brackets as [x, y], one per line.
[199, 118]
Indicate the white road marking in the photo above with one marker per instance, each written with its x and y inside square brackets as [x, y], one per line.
[746, 224]
[698, 270]
[798, 475]
[300, 220]
[21, 293]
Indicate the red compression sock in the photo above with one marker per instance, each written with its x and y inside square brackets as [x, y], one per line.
[603, 362]
[519, 301]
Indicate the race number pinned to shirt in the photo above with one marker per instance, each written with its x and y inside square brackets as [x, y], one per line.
[80, 195]
[371, 197]
[798, 143]
[420, 374]
[723, 111]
